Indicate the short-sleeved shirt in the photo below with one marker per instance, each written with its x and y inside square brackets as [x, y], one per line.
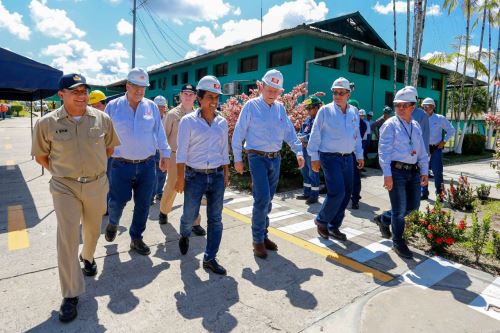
[171, 124]
[75, 148]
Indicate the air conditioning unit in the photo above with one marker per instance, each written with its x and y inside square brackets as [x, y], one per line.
[228, 88]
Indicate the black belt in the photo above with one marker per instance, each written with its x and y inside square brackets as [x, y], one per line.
[121, 159]
[263, 153]
[337, 154]
[85, 180]
[404, 166]
[433, 148]
[205, 171]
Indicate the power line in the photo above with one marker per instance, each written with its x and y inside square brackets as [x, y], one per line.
[157, 51]
[182, 40]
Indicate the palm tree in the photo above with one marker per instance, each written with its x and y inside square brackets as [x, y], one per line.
[395, 47]
[407, 61]
[418, 32]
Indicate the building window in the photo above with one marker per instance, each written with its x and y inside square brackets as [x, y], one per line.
[152, 85]
[384, 72]
[280, 58]
[248, 64]
[162, 83]
[358, 66]
[221, 69]
[389, 98]
[400, 75]
[175, 80]
[201, 72]
[422, 81]
[185, 77]
[436, 84]
[321, 53]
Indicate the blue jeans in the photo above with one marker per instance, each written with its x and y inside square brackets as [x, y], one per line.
[2, 115]
[405, 198]
[366, 145]
[436, 165]
[196, 185]
[338, 179]
[125, 179]
[311, 178]
[265, 173]
[160, 177]
[356, 184]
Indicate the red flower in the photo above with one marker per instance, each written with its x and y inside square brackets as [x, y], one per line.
[449, 241]
[461, 225]
[429, 227]
[439, 240]
[430, 236]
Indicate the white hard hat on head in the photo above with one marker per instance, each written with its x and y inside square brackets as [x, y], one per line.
[370, 113]
[209, 83]
[428, 101]
[341, 83]
[407, 94]
[160, 101]
[414, 89]
[138, 76]
[362, 112]
[273, 78]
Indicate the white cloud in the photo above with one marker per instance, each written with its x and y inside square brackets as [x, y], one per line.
[237, 11]
[99, 66]
[124, 27]
[287, 15]
[53, 22]
[207, 10]
[432, 10]
[13, 23]
[192, 54]
[161, 64]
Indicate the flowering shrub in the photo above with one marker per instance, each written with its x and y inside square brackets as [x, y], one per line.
[492, 120]
[479, 234]
[462, 195]
[483, 191]
[436, 226]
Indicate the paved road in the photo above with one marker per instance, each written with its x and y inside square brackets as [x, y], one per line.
[309, 285]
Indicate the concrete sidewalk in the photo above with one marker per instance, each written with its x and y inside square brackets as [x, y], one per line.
[308, 285]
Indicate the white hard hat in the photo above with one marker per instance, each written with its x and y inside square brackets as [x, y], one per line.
[138, 76]
[341, 83]
[362, 112]
[160, 101]
[370, 113]
[428, 101]
[414, 89]
[209, 83]
[273, 78]
[407, 94]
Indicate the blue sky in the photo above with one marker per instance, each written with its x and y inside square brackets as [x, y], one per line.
[94, 36]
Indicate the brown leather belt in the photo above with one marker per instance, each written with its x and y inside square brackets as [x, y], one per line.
[133, 161]
[404, 166]
[205, 171]
[263, 153]
[85, 180]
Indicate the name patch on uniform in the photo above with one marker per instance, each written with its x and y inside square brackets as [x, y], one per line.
[148, 113]
[62, 130]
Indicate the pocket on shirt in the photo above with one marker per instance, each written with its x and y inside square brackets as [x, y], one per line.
[62, 136]
[147, 124]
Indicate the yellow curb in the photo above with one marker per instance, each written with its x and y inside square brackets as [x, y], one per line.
[17, 238]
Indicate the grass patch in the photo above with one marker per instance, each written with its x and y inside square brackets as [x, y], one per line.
[452, 158]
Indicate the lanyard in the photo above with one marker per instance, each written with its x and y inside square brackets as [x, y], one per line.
[411, 131]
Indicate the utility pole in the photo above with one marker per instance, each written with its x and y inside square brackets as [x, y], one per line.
[260, 18]
[134, 10]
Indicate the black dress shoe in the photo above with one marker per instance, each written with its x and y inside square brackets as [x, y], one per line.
[355, 205]
[89, 268]
[424, 197]
[335, 233]
[110, 232]
[162, 218]
[385, 230]
[302, 197]
[322, 230]
[198, 230]
[403, 251]
[67, 311]
[214, 266]
[140, 247]
[322, 189]
[311, 201]
[184, 244]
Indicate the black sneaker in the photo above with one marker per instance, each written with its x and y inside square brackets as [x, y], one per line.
[424, 197]
[162, 218]
[110, 232]
[214, 266]
[140, 247]
[385, 230]
[311, 201]
[403, 251]
[67, 311]
[302, 197]
[335, 233]
[198, 230]
[322, 189]
[355, 205]
[184, 244]
[89, 268]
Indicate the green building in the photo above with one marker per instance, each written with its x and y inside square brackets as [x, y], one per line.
[359, 54]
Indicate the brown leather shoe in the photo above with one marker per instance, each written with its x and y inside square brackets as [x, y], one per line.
[270, 245]
[259, 250]
[322, 230]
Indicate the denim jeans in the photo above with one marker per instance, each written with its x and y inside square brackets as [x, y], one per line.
[265, 173]
[160, 177]
[196, 185]
[311, 178]
[405, 198]
[356, 181]
[338, 179]
[436, 165]
[125, 179]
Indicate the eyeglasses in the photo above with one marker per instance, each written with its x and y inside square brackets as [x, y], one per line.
[402, 105]
[340, 93]
[77, 92]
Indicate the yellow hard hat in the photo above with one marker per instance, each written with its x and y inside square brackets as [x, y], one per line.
[96, 96]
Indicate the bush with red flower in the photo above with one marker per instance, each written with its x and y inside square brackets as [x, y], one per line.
[461, 194]
[436, 226]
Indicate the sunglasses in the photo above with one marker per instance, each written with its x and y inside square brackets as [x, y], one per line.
[402, 105]
[340, 93]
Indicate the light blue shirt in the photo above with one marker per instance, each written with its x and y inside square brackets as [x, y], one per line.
[394, 145]
[438, 123]
[140, 132]
[264, 128]
[200, 145]
[335, 132]
[423, 120]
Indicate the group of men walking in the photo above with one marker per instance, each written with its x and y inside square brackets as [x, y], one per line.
[128, 144]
